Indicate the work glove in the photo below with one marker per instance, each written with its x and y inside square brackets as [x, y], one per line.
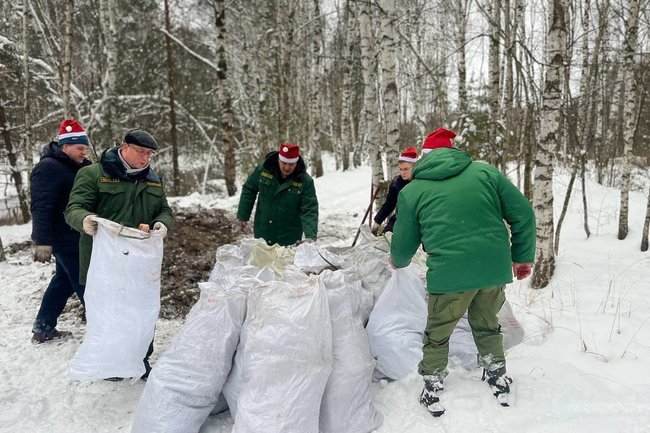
[522, 270]
[375, 229]
[90, 225]
[43, 253]
[159, 229]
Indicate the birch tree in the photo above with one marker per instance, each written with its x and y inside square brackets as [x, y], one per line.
[29, 151]
[389, 83]
[315, 102]
[227, 116]
[66, 74]
[549, 138]
[630, 117]
[107, 14]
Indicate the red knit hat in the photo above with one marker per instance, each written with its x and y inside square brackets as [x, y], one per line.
[409, 155]
[289, 153]
[441, 137]
[71, 132]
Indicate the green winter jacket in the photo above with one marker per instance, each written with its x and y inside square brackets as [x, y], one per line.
[456, 208]
[284, 210]
[105, 189]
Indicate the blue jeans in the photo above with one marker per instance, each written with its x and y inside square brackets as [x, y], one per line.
[63, 284]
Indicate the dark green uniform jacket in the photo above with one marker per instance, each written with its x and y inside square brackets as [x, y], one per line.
[284, 209]
[106, 190]
[456, 208]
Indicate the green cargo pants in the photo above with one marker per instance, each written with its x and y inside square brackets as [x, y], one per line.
[445, 310]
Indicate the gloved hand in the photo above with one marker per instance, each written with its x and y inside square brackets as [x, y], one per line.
[243, 224]
[90, 225]
[522, 270]
[159, 229]
[43, 253]
[375, 229]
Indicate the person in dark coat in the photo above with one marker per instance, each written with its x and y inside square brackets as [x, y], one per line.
[287, 205]
[51, 183]
[406, 160]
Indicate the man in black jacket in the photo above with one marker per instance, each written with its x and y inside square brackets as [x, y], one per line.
[406, 161]
[51, 182]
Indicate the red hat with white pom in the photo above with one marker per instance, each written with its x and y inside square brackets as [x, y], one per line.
[71, 132]
[289, 153]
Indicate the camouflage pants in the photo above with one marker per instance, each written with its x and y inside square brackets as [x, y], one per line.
[445, 310]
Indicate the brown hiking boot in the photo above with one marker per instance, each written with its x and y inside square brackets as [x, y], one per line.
[39, 337]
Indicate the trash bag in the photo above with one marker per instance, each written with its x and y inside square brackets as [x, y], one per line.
[396, 324]
[122, 300]
[312, 260]
[283, 360]
[185, 383]
[347, 405]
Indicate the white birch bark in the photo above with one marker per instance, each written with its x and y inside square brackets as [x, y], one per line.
[370, 128]
[315, 102]
[389, 83]
[28, 142]
[630, 115]
[494, 13]
[549, 137]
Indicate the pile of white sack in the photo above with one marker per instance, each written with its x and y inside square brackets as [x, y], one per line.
[290, 339]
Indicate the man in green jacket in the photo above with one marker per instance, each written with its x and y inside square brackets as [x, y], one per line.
[457, 208]
[287, 205]
[123, 188]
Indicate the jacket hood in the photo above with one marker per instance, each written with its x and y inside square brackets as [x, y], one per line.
[441, 164]
[271, 164]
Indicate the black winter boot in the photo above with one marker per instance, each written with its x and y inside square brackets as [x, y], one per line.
[500, 384]
[430, 395]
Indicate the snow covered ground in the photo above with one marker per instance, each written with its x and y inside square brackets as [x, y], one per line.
[583, 367]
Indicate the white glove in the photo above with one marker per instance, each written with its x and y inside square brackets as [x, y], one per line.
[90, 225]
[159, 229]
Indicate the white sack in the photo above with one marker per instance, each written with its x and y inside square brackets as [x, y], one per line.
[397, 324]
[122, 303]
[185, 383]
[347, 405]
[312, 260]
[283, 360]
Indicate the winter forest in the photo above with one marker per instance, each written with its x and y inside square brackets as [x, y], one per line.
[529, 85]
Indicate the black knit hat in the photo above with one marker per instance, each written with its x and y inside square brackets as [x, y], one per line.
[140, 138]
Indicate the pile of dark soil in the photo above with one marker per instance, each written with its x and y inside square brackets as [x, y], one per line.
[190, 256]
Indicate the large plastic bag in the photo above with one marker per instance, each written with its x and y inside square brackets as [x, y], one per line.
[312, 260]
[283, 360]
[397, 324]
[347, 405]
[122, 303]
[274, 256]
[185, 383]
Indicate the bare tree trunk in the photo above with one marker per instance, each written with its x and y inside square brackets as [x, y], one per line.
[107, 13]
[227, 115]
[172, 110]
[29, 148]
[315, 94]
[495, 76]
[629, 115]
[370, 128]
[460, 15]
[3, 257]
[549, 138]
[565, 208]
[14, 167]
[646, 227]
[389, 83]
[347, 130]
[66, 76]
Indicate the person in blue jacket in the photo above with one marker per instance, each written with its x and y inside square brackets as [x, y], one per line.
[406, 161]
[51, 182]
